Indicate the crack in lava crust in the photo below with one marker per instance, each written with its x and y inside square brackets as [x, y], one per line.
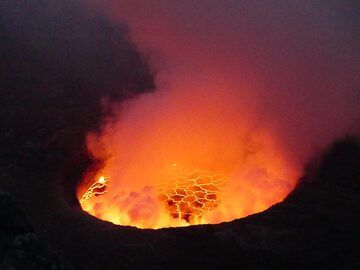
[186, 194]
[96, 189]
[189, 194]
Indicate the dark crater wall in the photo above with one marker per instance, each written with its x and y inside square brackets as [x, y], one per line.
[58, 62]
[315, 227]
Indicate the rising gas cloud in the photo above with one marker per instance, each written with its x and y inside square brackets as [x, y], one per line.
[246, 90]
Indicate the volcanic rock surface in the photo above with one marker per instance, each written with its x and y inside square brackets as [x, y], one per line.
[20, 247]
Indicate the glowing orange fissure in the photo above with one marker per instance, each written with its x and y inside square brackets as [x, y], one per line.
[160, 168]
[186, 194]
[97, 188]
[189, 195]
[181, 197]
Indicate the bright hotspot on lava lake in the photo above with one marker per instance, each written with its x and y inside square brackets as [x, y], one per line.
[187, 195]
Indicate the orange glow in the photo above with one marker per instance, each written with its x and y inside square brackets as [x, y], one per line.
[205, 123]
[96, 189]
[101, 179]
[203, 186]
[216, 109]
[190, 194]
[239, 94]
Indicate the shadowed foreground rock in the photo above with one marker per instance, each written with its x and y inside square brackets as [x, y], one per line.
[20, 248]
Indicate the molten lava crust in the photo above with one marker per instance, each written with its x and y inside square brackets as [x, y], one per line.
[188, 195]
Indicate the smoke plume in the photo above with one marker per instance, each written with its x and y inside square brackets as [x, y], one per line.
[58, 60]
[249, 90]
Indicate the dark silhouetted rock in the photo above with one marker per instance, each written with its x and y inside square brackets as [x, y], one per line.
[27, 252]
[12, 222]
[20, 247]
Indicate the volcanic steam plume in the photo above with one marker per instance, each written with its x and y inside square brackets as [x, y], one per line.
[246, 93]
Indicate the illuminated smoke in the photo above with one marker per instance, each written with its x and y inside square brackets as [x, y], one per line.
[246, 90]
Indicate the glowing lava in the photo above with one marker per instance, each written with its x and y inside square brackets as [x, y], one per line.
[181, 197]
[186, 194]
[190, 194]
[218, 171]
[97, 188]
